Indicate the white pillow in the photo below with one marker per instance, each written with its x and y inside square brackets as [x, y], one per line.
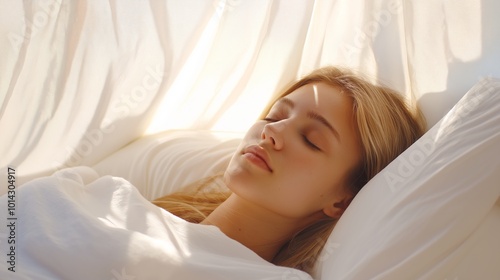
[162, 163]
[431, 213]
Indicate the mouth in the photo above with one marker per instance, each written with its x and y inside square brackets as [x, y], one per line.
[258, 156]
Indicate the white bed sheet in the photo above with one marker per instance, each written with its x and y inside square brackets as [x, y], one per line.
[82, 226]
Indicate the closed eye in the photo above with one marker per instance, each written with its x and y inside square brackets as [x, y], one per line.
[306, 140]
[310, 144]
[269, 120]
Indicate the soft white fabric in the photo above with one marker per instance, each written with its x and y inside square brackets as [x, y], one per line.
[431, 213]
[67, 228]
[80, 79]
[162, 163]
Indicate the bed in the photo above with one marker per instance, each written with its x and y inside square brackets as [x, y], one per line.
[160, 92]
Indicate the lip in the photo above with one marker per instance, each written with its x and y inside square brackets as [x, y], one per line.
[257, 155]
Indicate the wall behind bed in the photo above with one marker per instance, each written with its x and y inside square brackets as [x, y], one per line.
[79, 80]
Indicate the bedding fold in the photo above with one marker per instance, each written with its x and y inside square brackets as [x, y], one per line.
[77, 225]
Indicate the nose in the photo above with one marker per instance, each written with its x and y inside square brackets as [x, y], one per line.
[273, 133]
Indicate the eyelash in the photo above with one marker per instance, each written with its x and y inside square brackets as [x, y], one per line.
[269, 120]
[310, 144]
[304, 138]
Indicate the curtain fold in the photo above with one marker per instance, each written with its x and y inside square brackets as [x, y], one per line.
[81, 79]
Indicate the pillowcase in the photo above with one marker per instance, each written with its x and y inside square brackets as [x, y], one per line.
[431, 213]
[162, 163]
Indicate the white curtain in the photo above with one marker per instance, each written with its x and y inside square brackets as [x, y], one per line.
[81, 79]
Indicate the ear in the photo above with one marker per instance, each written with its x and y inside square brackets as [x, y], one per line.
[336, 209]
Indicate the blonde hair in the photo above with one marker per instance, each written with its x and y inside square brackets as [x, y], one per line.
[387, 123]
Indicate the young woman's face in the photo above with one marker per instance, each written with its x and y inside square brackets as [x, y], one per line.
[295, 162]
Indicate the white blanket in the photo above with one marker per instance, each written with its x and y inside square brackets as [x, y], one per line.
[70, 226]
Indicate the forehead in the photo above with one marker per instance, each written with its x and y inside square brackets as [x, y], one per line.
[320, 97]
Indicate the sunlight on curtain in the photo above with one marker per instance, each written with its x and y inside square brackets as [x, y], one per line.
[176, 100]
[218, 68]
[444, 42]
[92, 76]
[247, 51]
[453, 27]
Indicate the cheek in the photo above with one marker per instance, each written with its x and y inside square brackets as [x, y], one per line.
[315, 177]
[307, 192]
[254, 132]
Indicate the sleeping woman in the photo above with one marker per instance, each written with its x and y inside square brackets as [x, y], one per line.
[298, 168]
[289, 181]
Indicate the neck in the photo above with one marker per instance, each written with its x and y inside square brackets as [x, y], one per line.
[259, 229]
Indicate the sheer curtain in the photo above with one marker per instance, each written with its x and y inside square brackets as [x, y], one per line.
[241, 52]
[81, 79]
[245, 51]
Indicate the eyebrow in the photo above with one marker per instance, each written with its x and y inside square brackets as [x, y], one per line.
[313, 115]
